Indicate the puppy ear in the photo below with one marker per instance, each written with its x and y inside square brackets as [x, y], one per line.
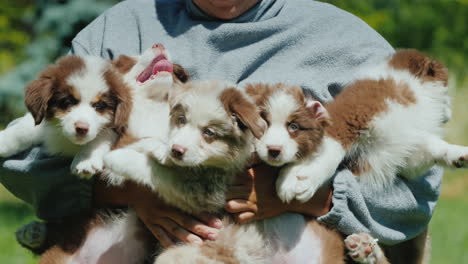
[245, 112]
[123, 99]
[318, 112]
[180, 73]
[37, 96]
[124, 63]
[420, 65]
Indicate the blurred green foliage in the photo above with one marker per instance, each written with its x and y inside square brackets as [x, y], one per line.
[33, 34]
[437, 27]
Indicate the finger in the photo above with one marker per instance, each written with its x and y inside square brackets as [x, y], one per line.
[161, 235]
[238, 192]
[238, 205]
[178, 232]
[245, 217]
[210, 220]
[196, 227]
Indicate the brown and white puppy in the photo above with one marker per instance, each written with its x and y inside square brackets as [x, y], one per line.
[76, 107]
[387, 122]
[119, 237]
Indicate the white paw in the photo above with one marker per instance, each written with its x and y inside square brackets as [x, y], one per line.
[461, 161]
[458, 157]
[362, 248]
[286, 185]
[87, 168]
[307, 188]
[293, 183]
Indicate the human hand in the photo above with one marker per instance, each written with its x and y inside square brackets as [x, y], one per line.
[167, 223]
[252, 196]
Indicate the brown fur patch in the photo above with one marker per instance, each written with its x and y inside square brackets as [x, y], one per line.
[51, 82]
[260, 92]
[236, 104]
[180, 73]
[333, 250]
[310, 132]
[124, 63]
[420, 65]
[124, 140]
[120, 94]
[354, 108]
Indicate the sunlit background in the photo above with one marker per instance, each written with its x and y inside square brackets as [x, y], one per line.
[34, 33]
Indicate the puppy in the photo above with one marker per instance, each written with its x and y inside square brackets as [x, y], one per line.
[77, 106]
[211, 133]
[118, 236]
[386, 122]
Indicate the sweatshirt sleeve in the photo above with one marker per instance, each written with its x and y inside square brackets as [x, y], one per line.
[46, 183]
[398, 213]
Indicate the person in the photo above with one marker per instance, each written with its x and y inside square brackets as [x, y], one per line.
[303, 42]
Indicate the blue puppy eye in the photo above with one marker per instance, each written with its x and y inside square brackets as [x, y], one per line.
[292, 127]
[208, 132]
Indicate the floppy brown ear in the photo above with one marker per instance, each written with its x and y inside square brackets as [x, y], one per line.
[180, 73]
[124, 63]
[123, 98]
[247, 114]
[37, 96]
[420, 65]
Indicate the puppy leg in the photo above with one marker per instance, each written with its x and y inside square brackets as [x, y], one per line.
[301, 180]
[90, 160]
[363, 248]
[447, 154]
[20, 136]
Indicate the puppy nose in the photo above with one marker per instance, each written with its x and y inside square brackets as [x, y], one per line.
[274, 151]
[158, 46]
[178, 151]
[81, 128]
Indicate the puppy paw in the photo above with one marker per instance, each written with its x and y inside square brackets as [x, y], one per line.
[87, 168]
[293, 183]
[461, 162]
[286, 188]
[457, 157]
[307, 188]
[362, 248]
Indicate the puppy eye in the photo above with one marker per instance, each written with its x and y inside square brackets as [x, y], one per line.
[67, 102]
[181, 120]
[293, 127]
[208, 132]
[100, 106]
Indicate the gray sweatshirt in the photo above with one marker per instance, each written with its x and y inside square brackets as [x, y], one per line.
[297, 42]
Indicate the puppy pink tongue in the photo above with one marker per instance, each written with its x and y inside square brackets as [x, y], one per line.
[144, 75]
[162, 66]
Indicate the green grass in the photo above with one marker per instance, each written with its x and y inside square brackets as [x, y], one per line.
[13, 214]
